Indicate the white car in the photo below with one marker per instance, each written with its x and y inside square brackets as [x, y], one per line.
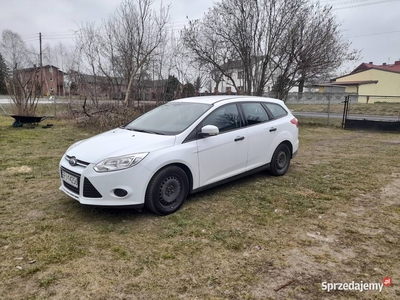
[180, 148]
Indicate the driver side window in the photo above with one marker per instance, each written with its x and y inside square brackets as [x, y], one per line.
[225, 118]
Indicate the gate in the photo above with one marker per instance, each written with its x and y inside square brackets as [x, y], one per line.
[345, 110]
[368, 122]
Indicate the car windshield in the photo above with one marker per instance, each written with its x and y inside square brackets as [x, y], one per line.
[170, 119]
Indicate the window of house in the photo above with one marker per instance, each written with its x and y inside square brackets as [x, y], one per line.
[51, 69]
[228, 89]
[240, 75]
[254, 113]
[51, 78]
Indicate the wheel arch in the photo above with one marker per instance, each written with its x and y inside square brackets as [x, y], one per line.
[289, 144]
[184, 167]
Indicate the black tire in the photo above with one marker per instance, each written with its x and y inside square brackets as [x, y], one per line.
[167, 191]
[280, 161]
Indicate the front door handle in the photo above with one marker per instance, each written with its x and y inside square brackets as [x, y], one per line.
[272, 129]
[239, 138]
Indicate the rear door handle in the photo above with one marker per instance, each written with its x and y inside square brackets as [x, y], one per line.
[239, 138]
[272, 129]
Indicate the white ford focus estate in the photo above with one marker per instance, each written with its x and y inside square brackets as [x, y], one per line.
[179, 148]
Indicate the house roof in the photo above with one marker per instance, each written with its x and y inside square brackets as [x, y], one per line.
[37, 68]
[355, 82]
[327, 84]
[369, 66]
[384, 67]
[347, 83]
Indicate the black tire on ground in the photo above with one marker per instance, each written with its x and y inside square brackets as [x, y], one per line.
[280, 161]
[167, 191]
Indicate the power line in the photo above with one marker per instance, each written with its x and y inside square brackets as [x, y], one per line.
[366, 4]
[371, 34]
[29, 36]
[343, 2]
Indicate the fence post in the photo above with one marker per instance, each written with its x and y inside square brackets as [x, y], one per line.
[329, 107]
[345, 110]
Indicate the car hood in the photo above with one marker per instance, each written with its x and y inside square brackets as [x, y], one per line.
[118, 142]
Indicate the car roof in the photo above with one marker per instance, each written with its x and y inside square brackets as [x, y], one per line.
[226, 99]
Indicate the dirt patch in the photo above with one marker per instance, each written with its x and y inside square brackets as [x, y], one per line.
[390, 193]
[393, 142]
[335, 253]
[21, 169]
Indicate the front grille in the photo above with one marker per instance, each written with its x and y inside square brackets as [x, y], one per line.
[78, 162]
[89, 191]
[67, 185]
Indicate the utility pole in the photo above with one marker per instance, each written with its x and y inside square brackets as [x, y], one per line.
[41, 64]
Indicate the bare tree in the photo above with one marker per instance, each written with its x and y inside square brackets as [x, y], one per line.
[15, 51]
[58, 55]
[24, 82]
[91, 51]
[142, 30]
[241, 35]
[209, 48]
[311, 49]
[122, 47]
[260, 39]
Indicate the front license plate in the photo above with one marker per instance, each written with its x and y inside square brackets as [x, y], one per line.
[70, 179]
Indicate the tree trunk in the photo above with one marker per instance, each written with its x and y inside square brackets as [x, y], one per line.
[301, 85]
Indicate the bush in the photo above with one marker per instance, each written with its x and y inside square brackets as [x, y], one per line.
[103, 116]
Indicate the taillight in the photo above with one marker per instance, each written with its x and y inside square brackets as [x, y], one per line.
[295, 122]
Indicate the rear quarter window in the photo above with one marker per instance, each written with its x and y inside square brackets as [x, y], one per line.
[276, 110]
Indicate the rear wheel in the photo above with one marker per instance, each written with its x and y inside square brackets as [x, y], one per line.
[167, 191]
[280, 160]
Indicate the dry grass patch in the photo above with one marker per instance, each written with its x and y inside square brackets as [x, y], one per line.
[333, 217]
[383, 109]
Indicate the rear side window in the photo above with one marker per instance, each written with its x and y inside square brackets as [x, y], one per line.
[276, 110]
[254, 113]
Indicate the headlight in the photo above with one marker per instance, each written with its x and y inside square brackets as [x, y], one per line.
[119, 163]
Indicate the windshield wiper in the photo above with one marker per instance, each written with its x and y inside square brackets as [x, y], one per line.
[145, 131]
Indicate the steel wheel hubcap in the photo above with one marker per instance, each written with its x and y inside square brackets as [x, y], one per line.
[169, 190]
[281, 160]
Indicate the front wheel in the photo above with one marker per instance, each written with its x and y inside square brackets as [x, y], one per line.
[280, 160]
[167, 191]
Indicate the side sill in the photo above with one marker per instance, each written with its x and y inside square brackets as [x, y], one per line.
[247, 173]
[138, 207]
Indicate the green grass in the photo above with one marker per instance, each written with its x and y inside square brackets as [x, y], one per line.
[333, 217]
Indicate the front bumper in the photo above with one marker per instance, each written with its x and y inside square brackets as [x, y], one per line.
[95, 188]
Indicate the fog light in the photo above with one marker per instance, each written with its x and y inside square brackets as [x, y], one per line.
[120, 193]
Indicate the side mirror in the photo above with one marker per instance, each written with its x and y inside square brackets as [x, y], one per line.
[209, 130]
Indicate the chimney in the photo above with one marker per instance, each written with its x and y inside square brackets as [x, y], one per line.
[384, 64]
[397, 62]
[371, 63]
